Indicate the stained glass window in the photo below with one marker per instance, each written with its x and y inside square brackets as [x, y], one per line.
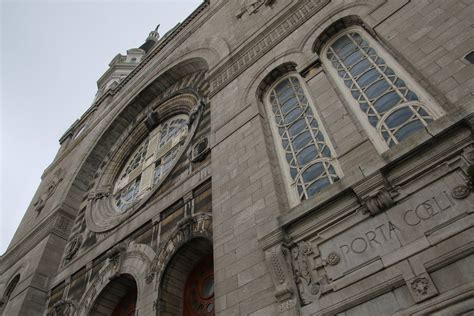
[391, 107]
[128, 194]
[151, 161]
[304, 145]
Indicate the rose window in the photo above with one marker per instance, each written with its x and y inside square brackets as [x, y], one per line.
[151, 161]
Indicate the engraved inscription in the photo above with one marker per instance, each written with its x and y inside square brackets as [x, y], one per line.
[421, 214]
[380, 234]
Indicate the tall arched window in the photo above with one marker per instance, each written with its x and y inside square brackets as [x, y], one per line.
[305, 152]
[390, 105]
[8, 292]
[151, 160]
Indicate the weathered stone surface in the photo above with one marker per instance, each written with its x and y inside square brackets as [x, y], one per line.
[392, 236]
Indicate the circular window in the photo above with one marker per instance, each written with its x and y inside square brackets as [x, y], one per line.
[151, 161]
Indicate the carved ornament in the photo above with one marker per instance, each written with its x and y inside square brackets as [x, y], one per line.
[200, 149]
[307, 283]
[333, 258]
[264, 42]
[195, 112]
[280, 272]
[460, 192]
[50, 189]
[199, 225]
[64, 308]
[378, 202]
[420, 286]
[72, 247]
[252, 6]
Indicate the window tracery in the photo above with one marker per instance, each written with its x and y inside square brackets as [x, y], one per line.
[151, 161]
[303, 143]
[388, 105]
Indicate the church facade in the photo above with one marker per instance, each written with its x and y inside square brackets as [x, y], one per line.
[265, 157]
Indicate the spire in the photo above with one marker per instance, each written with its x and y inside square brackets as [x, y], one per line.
[154, 35]
[151, 40]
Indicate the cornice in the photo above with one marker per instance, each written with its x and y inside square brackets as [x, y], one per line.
[353, 190]
[264, 42]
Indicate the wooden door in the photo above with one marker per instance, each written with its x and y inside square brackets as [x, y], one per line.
[127, 305]
[199, 290]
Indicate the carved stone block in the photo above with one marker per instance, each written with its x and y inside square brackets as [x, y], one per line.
[421, 287]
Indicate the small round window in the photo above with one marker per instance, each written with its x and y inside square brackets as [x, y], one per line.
[151, 161]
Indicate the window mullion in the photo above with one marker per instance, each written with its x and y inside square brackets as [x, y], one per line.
[379, 70]
[293, 152]
[380, 121]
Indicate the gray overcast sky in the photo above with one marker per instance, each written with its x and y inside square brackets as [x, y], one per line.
[52, 53]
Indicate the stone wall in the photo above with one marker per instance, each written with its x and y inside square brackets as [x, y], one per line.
[392, 236]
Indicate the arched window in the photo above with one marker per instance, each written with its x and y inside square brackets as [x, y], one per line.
[304, 148]
[151, 160]
[390, 105]
[8, 292]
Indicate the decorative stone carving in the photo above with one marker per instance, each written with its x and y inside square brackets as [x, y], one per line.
[265, 41]
[50, 188]
[200, 149]
[98, 195]
[72, 247]
[64, 308]
[199, 225]
[333, 258]
[469, 154]
[280, 272]
[308, 287]
[379, 202]
[152, 120]
[115, 258]
[460, 192]
[286, 305]
[421, 287]
[193, 115]
[149, 278]
[252, 6]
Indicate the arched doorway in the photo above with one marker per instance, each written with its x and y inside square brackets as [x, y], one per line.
[187, 286]
[199, 289]
[118, 298]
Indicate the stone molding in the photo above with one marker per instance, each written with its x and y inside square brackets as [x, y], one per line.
[277, 259]
[252, 7]
[264, 42]
[101, 215]
[190, 227]
[125, 258]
